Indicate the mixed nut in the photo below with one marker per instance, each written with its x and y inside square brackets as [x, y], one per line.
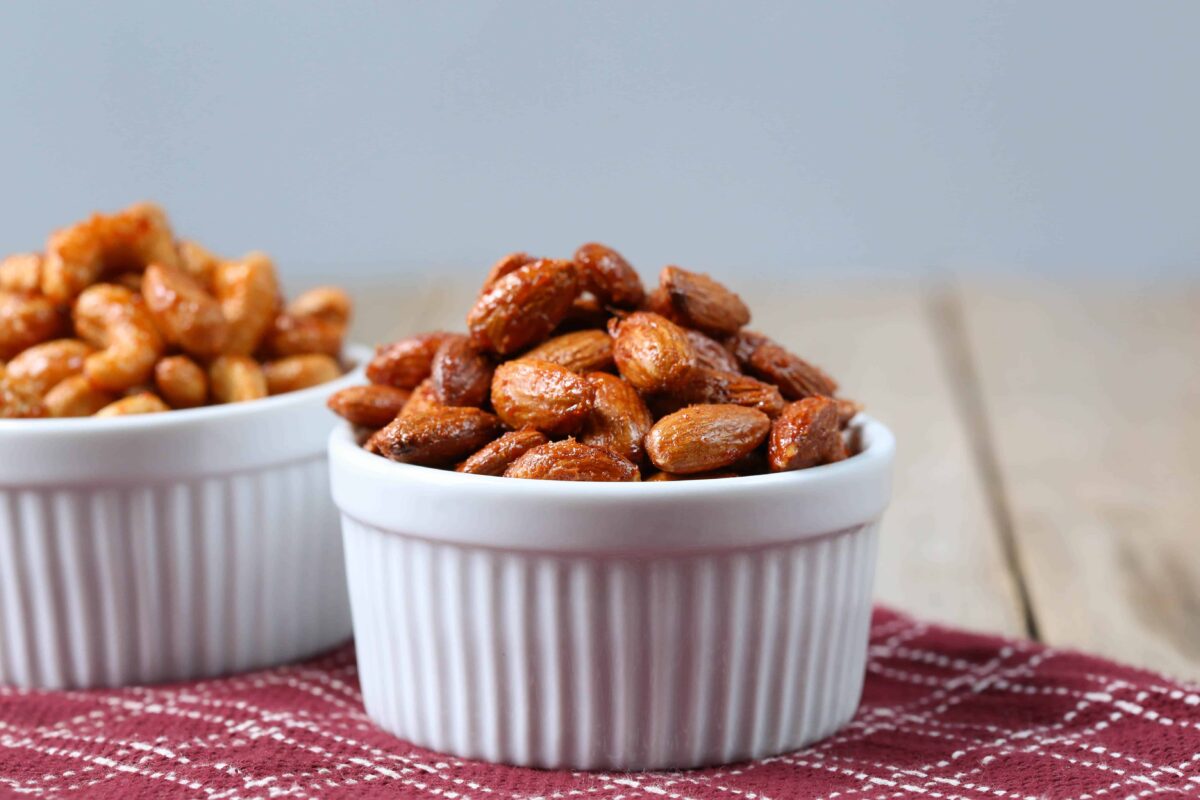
[117, 317]
[570, 370]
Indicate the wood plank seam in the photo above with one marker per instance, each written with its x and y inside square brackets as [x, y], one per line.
[944, 307]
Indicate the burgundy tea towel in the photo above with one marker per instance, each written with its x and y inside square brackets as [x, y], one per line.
[945, 714]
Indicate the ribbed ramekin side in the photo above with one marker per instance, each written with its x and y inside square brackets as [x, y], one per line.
[120, 585]
[602, 662]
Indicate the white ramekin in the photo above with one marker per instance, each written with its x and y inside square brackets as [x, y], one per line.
[169, 546]
[611, 626]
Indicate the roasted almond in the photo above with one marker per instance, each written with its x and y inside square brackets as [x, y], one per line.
[524, 306]
[715, 386]
[370, 406]
[580, 351]
[608, 276]
[795, 377]
[461, 374]
[805, 435]
[705, 438]
[540, 394]
[652, 353]
[509, 263]
[702, 302]
[405, 363]
[619, 418]
[422, 400]
[438, 437]
[710, 354]
[496, 456]
[570, 460]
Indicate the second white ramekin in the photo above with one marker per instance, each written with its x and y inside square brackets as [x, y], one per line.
[611, 626]
[169, 546]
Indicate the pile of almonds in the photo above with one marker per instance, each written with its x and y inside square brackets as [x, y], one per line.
[571, 371]
[116, 316]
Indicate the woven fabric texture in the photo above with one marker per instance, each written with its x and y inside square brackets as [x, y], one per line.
[945, 714]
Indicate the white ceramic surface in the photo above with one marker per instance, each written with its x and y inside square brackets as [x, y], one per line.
[169, 546]
[611, 626]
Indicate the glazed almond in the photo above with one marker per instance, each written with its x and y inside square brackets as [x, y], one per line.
[570, 460]
[702, 302]
[705, 438]
[436, 438]
[496, 456]
[542, 395]
[805, 435]
[405, 363]
[619, 419]
[460, 374]
[608, 276]
[652, 353]
[579, 351]
[370, 406]
[524, 306]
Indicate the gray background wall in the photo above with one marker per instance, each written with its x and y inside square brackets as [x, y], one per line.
[774, 137]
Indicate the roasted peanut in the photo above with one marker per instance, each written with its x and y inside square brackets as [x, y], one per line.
[76, 397]
[26, 320]
[619, 419]
[580, 351]
[461, 374]
[37, 369]
[293, 373]
[653, 353]
[115, 320]
[248, 292]
[404, 364]
[103, 245]
[143, 403]
[22, 273]
[570, 460]
[524, 306]
[805, 435]
[181, 382]
[608, 276]
[705, 438]
[437, 438]
[542, 395]
[184, 312]
[370, 406]
[703, 303]
[496, 456]
[236, 379]
[327, 303]
[16, 403]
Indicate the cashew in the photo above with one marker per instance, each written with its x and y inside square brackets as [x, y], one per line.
[143, 403]
[106, 244]
[181, 382]
[26, 320]
[21, 273]
[114, 319]
[300, 372]
[16, 403]
[76, 397]
[324, 302]
[236, 379]
[291, 335]
[197, 261]
[184, 312]
[40, 367]
[249, 295]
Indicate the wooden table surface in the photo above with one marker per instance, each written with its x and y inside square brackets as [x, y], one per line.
[1048, 469]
